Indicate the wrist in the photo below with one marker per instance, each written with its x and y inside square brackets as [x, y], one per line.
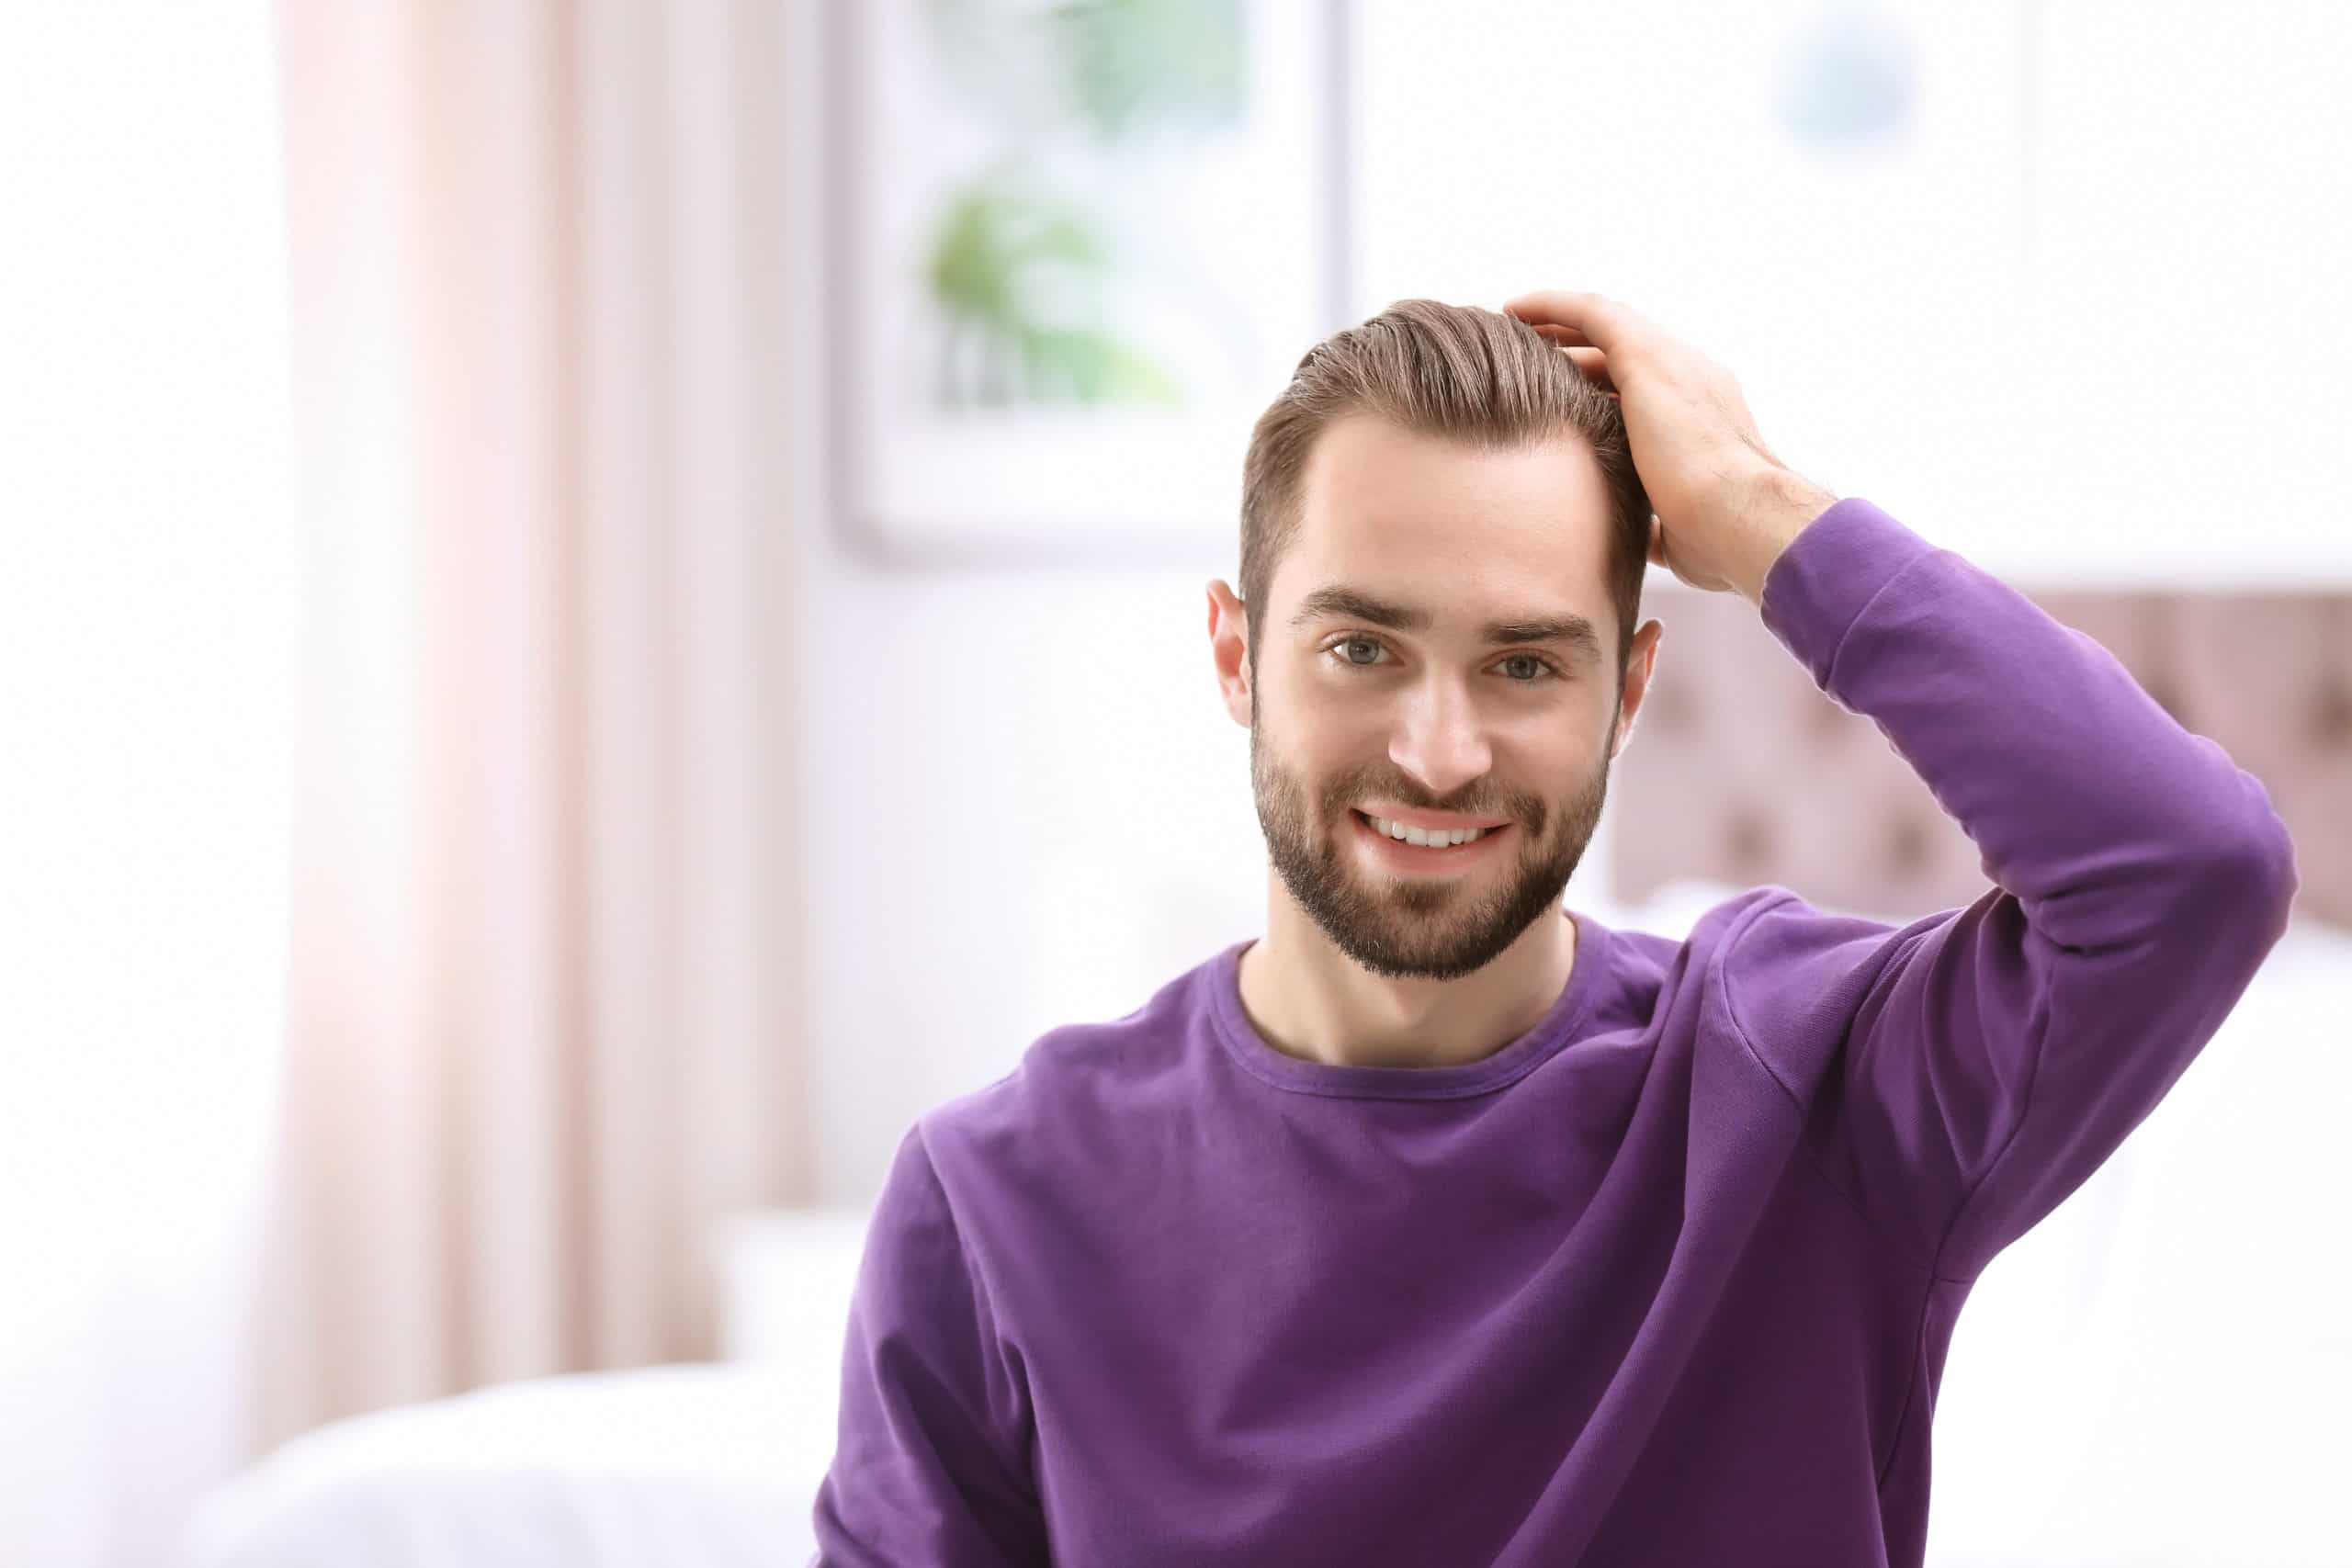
[1775, 505]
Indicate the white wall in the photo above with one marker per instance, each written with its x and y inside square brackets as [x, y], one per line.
[2078, 333]
[148, 613]
[2082, 324]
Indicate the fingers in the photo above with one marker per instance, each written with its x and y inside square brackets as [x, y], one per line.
[1597, 322]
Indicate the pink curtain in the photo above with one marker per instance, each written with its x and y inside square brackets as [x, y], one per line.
[542, 1017]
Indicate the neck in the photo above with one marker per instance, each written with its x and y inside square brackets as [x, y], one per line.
[1310, 1000]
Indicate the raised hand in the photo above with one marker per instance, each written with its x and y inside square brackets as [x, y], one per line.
[1725, 506]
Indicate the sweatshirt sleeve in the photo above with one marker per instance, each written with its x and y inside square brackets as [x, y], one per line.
[931, 1464]
[1975, 1067]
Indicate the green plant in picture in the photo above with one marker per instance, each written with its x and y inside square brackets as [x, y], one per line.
[1116, 66]
[1009, 265]
[997, 253]
[1135, 63]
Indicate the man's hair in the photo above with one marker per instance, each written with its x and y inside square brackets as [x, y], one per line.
[1475, 376]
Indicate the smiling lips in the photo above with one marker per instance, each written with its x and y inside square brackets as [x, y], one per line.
[1421, 851]
[1406, 832]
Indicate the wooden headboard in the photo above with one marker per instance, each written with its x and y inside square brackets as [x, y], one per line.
[1742, 772]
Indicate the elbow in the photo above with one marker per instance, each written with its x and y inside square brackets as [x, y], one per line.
[2252, 874]
[2274, 873]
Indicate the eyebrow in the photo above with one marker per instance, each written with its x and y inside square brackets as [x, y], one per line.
[1354, 603]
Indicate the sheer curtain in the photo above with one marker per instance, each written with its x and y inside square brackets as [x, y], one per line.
[542, 994]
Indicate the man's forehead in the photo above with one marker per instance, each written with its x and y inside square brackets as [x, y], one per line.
[1422, 533]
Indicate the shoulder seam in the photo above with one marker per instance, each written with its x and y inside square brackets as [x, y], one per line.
[1912, 1371]
[983, 1296]
[1739, 1027]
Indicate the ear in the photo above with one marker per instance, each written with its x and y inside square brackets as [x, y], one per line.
[1640, 665]
[1230, 649]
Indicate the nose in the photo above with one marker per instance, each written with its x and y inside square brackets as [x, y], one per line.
[1439, 739]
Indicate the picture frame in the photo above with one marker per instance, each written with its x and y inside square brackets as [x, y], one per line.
[1068, 267]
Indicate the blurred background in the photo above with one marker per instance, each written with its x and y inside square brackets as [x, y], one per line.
[602, 604]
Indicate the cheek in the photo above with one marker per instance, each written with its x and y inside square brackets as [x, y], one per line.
[1315, 716]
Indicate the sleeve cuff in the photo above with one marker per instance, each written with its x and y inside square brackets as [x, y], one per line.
[1829, 571]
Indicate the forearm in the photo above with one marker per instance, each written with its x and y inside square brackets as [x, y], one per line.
[2088, 801]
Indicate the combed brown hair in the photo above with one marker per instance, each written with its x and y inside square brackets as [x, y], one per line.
[1476, 375]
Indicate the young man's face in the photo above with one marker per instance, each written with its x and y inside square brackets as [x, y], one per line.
[1348, 715]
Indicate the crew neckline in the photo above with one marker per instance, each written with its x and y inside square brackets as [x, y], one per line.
[1493, 1071]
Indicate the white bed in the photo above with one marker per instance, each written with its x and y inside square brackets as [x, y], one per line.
[2152, 1376]
[713, 1464]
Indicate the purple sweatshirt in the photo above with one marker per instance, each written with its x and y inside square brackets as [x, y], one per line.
[1668, 1279]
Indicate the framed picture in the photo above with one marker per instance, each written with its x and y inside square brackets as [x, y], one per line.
[1073, 251]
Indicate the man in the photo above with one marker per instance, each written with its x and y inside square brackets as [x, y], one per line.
[1445, 1225]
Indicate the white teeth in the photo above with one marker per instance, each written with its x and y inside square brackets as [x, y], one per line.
[1424, 838]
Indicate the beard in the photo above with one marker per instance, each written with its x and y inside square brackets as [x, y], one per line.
[1438, 928]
